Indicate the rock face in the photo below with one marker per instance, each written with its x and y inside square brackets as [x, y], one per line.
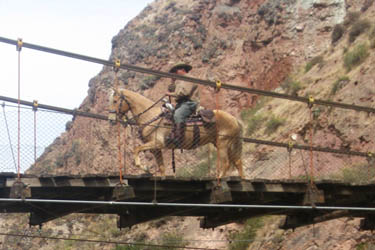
[263, 44]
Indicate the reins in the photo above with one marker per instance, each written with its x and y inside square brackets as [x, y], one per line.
[132, 121]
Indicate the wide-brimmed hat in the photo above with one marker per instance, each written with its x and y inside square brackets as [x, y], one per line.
[178, 66]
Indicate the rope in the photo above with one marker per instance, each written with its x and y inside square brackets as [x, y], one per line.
[218, 161]
[119, 155]
[35, 108]
[189, 79]
[19, 48]
[290, 148]
[311, 102]
[9, 139]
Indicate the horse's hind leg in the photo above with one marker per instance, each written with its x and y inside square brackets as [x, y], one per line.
[159, 160]
[223, 161]
[147, 146]
[235, 159]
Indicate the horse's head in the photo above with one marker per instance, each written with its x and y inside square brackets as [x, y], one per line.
[117, 102]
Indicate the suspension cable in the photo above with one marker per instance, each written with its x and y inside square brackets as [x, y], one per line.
[189, 79]
[9, 139]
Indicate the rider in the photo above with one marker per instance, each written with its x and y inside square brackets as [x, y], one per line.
[187, 101]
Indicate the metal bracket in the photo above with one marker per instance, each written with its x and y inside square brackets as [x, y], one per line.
[313, 195]
[123, 192]
[20, 190]
[220, 193]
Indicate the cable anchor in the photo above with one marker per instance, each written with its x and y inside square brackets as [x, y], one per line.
[117, 65]
[290, 146]
[370, 158]
[35, 105]
[19, 44]
[218, 86]
[311, 101]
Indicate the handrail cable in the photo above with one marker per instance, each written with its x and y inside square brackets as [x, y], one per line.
[248, 140]
[189, 79]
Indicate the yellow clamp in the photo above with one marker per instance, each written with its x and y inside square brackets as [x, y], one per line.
[290, 146]
[19, 44]
[35, 105]
[369, 155]
[218, 85]
[117, 64]
[311, 101]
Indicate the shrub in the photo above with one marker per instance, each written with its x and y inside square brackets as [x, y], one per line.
[339, 84]
[273, 124]
[250, 119]
[253, 123]
[316, 60]
[242, 240]
[173, 239]
[358, 28]
[366, 5]
[291, 86]
[149, 82]
[351, 17]
[337, 33]
[358, 173]
[356, 56]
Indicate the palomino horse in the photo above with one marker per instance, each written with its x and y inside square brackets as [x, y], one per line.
[225, 135]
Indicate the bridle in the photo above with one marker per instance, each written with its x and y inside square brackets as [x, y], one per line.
[133, 120]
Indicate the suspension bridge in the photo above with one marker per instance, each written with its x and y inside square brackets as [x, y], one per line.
[291, 186]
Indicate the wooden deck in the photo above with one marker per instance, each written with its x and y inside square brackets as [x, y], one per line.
[170, 189]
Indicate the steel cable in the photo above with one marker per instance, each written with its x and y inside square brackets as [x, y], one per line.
[189, 79]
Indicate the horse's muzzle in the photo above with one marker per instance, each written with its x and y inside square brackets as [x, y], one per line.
[112, 117]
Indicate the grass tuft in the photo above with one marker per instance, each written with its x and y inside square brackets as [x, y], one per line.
[356, 56]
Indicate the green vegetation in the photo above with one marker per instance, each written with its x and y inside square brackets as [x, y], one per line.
[358, 173]
[339, 84]
[359, 27]
[338, 31]
[351, 17]
[365, 246]
[199, 170]
[149, 82]
[273, 124]
[130, 247]
[173, 239]
[291, 86]
[252, 120]
[254, 123]
[355, 56]
[242, 240]
[316, 60]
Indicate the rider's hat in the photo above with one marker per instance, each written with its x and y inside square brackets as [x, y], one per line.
[178, 66]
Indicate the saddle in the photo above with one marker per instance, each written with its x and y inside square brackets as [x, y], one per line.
[204, 117]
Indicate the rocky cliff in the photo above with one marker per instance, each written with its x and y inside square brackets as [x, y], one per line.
[289, 46]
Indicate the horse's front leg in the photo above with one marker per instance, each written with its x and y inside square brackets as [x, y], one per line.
[159, 160]
[147, 146]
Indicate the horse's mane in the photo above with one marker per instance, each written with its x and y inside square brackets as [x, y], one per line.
[134, 95]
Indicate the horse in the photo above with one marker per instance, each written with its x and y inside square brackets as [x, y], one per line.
[226, 134]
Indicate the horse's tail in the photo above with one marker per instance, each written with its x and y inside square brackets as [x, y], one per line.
[236, 146]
